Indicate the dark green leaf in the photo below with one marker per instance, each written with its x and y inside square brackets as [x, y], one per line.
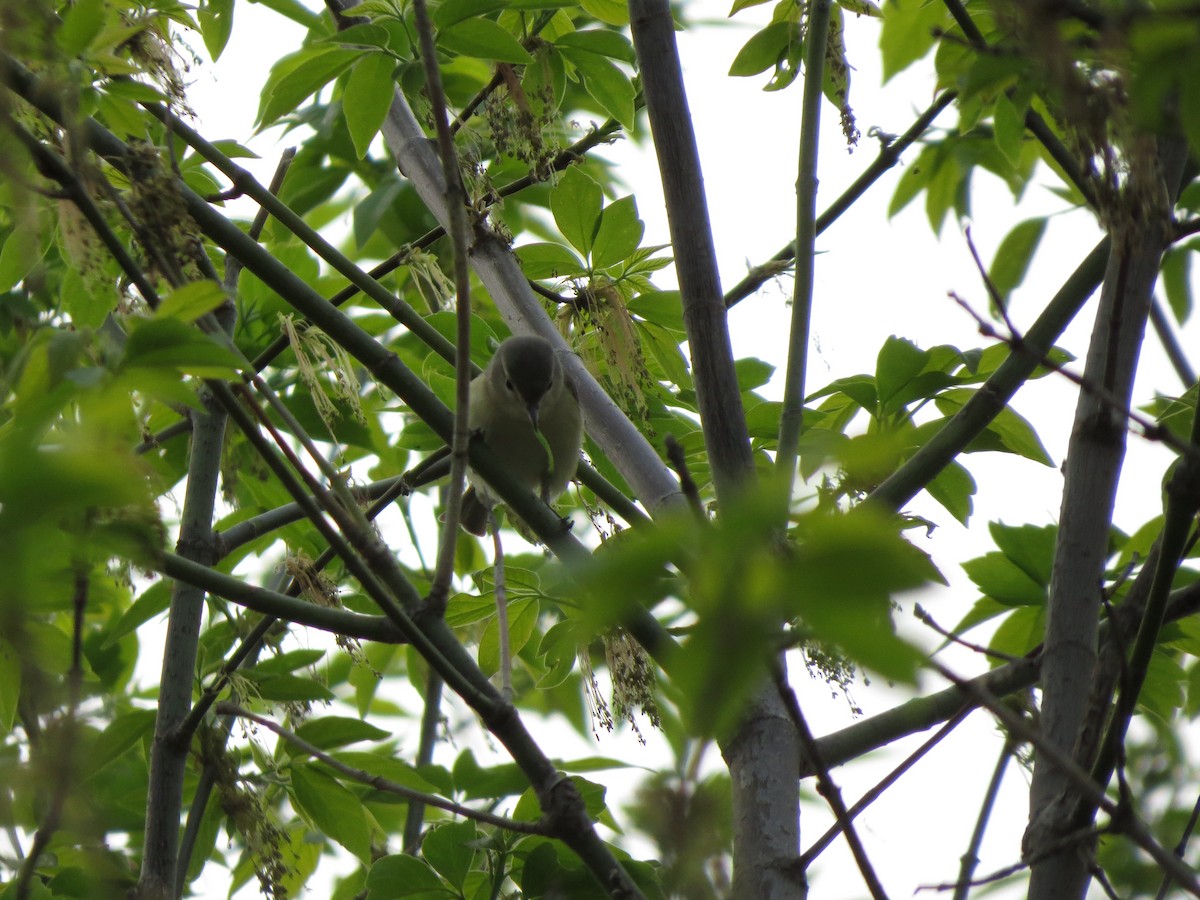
[522, 619]
[898, 362]
[608, 85]
[1177, 281]
[289, 687]
[576, 203]
[484, 39]
[544, 260]
[448, 849]
[1004, 581]
[191, 301]
[1021, 631]
[610, 12]
[619, 234]
[401, 875]
[299, 75]
[338, 731]
[215, 18]
[953, 487]
[1014, 255]
[367, 98]
[764, 49]
[1009, 129]
[332, 809]
[909, 27]
[597, 40]
[170, 344]
[451, 12]
[80, 25]
[1030, 547]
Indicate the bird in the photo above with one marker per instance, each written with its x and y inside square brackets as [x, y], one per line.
[523, 391]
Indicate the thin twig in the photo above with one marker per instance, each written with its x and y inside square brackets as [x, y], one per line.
[1147, 428]
[890, 152]
[809, 856]
[827, 788]
[63, 747]
[383, 784]
[456, 202]
[430, 720]
[1129, 822]
[1180, 848]
[970, 858]
[791, 418]
[925, 618]
[1000, 302]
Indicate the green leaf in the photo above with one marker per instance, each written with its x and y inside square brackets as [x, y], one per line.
[1012, 432]
[296, 11]
[1163, 691]
[608, 85]
[119, 735]
[401, 875]
[610, 12]
[191, 301]
[82, 22]
[290, 661]
[170, 344]
[1014, 255]
[953, 488]
[598, 40]
[136, 91]
[522, 620]
[1009, 125]
[861, 8]
[367, 99]
[153, 601]
[1001, 579]
[619, 233]
[484, 39]
[289, 688]
[544, 260]
[1030, 547]
[1021, 631]
[764, 49]
[87, 301]
[908, 32]
[1177, 281]
[663, 308]
[10, 685]
[898, 363]
[448, 849]
[364, 34]
[22, 251]
[338, 731]
[332, 809]
[575, 203]
[913, 180]
[451, 12]
[215, 18]
[297, 76]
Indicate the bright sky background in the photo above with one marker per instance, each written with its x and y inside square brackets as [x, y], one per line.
[874, 278]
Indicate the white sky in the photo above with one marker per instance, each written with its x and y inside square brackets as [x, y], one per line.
[874, 278]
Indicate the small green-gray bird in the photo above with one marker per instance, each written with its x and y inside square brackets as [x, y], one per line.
[524, 390]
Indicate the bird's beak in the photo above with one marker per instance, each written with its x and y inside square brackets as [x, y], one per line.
[532, 409]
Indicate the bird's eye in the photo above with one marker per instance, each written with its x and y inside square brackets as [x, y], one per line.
[508, 383]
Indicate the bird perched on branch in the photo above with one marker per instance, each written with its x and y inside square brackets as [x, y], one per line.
[526, 408]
